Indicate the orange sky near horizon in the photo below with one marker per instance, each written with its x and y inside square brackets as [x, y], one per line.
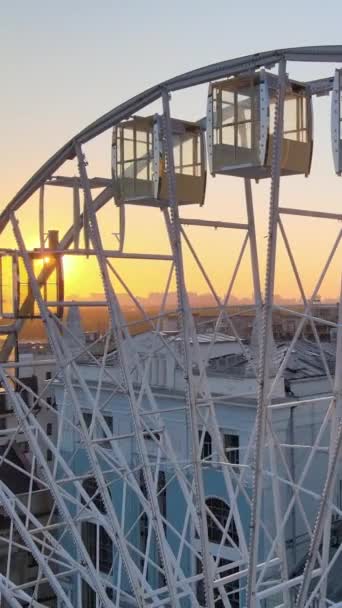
[311, 240]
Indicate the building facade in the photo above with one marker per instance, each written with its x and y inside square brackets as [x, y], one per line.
[233, 386]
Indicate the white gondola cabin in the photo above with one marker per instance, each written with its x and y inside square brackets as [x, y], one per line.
[240, 123]
[16, 298]
[336, 119]
[139, 162]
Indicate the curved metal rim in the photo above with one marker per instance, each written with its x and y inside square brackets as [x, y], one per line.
[331, 53]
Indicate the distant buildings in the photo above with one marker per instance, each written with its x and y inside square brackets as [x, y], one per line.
[285, 322]
[232, 383]
[18, 466]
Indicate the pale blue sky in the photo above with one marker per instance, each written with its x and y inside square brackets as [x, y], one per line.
[65, 62]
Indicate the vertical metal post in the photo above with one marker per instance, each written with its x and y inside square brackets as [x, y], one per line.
[253, 245]
[114, 312]
[293, 476]
[76, 214]
[278, 517]
[41, 217]
[86, 223]
[281, 547]
[174, 229]
[255, 269]
[266, 338]
[252, 232]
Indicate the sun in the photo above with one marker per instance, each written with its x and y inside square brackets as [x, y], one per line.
[70, 264]
[80, 276]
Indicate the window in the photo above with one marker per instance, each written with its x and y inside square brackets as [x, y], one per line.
[88, 595]
[295, 121]
[339, 495]
[335, 516]
[217, 520]
[134, 158]
[95, 535]
[97, 430]
[49, 428]
[87, 418]
[199, 585]
[207, 447]
[231, 447]
[187, 152]
[48, 376]
[3, 424]
[109, 422]
[231, 589]
[144, 523]
[236, 113]
[26, 396]
[31, 561]
[162, 494]
[162, 509]
[151, 435]
[48, 455]
[31, 566]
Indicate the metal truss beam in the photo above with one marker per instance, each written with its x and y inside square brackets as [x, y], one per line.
[223, 69]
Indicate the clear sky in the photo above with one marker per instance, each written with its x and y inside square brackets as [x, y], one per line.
[65, 63]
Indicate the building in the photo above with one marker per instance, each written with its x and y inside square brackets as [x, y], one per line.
[19, 474]
[232, 382]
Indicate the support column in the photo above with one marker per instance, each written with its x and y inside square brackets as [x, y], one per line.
[266, 339]
[253, 245]
[186, 320]
[114, 313]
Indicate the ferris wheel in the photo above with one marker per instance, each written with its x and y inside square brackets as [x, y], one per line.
[172, 460]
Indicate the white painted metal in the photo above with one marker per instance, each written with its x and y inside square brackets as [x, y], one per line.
[164, 402]
[174, 235]
[76, 213]
[266, 338]
[264, 120]
[336, 122]
[41, 217]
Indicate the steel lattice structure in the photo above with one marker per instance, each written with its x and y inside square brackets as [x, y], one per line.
[113, 478]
